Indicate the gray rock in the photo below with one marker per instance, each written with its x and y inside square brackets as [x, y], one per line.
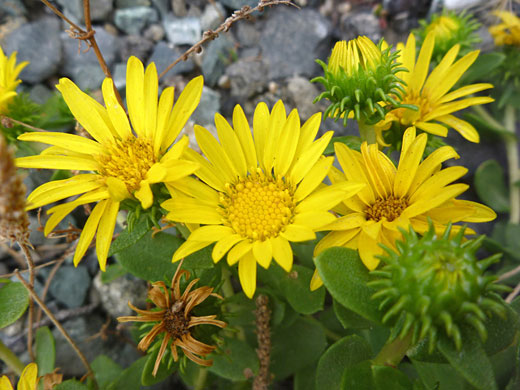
[135, 45]
[12, 8]
[88, 76]
[44, 55]
[217, 56]
[40, 93]
[292, 39]
[360, 23]
[99, 9]
[247, 34]
[247, 77]
[116, 294]
[208, 106]
[133, 20]
[119, 76]
[302, 92]
[164, 54]
[132, 3]
[179, 8]
[154, 32]
[70, 285]
[162, 5]
[182, 31]
[237, 4]
[212, 16]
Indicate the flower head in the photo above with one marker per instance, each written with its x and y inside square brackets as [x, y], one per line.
[506, 33]
[450, 28]
[358, 77]
[28, 379]
[257, 195]
[123, 161]
[397, 198]
[9, 72]
[431, 93]
[434, 284]
[175, 320]
[14, 224]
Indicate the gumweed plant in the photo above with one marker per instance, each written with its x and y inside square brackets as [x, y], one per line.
[351, 262]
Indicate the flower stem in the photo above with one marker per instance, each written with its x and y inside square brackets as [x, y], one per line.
[367, 132]
[512, 159]
[9, 358]
[200, 382]
[392, 353]
[227, 287]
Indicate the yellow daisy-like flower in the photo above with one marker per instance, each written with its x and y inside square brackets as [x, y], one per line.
[255, 195]
[430, 93]
[9, 72]
[122, 163]
[28, 379]
[397, 198]
[507, 32]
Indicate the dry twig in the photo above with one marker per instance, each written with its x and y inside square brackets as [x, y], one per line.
[30, 317]
[263, 335]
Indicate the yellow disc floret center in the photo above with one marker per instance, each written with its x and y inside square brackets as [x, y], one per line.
[409, 117]
[389, 208]
[128, 160]
[258, 207]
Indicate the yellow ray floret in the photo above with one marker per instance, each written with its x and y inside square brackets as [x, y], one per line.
[257, 192]
[28, 379]
[396, 198]
[507, 32]
[124, 158]
[431, 92]
[9, 72]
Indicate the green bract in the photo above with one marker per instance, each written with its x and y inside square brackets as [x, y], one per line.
[435, 284]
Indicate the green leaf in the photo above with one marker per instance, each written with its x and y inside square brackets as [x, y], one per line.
[439, 376]
[344, 353]
[491, 187]
[71, 384]
[128, 238]
[150, 258]
[106, 371]
[296, 289]
[346, 278]
[390, 378]
[14, 300]
[471, 361]
[113, 271]
[236, 357]
[45, 349]
[353, 142]
[147, 378]
[296, 347]
[130, 379]
[305, 378]
[358, 377]
[349, 319]
[481, 68]
[501, 332]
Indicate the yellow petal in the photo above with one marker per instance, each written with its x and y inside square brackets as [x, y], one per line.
[282, 253]
[244, 136]
[116, 113]
[163, 116]
[347, 222]
[58, 162]
[207, 172]
[260, 129]
[481, 213]
[368, 250]
[263, 252]
[144, 194]
[117, 189]
[224, 245]
[448, 108]
[423, 64]
[425, 205]
[177, 150]
[247, 274]
[464, 91]
[276, 124]
[431, 164]
[89, 230]
[189, 210]
[314, 219]
[215, 153]
[316, 281]
[5, 384]
[177, 169]
[297, 233]
[135, 94]
[231, 145]
[28, 377]
[151, 90]
[307, 158]
[238, 251]
[464, 128]
[338, 238]
[328, 197]
[188, 247]
[435, 184]
[105, 232]
[433, 128]
[439, 73]
[211, 233]
[286, 147]
[199, 190]
[68, 141]
[308, 133]
[313, 178]
[408, 165]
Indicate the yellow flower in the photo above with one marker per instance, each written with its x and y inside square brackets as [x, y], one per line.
[9, 71]
[431, 93]
[443, 27]
[397, 198]
[507, 32]
[28, 379]
[122, 163]
[257, 195]
[355, 55]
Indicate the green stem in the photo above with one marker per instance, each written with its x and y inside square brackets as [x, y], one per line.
[227, 287]
[486, 116]
[9, 358]
[200, 382]
[367, 132]
[512, 159]
[392, 353]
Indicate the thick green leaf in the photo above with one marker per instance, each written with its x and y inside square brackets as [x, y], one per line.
[130, 378]
[501, 332]
[349, 319]
[482, 66]
[491, 187]
[71, 384]
[439, 376]
[358, 377]
[296, 346]
[390, 378]
[236, 357]
[344, 353]
[14, 300]
[346, 278]
[106, 371]
[128, 238]
[113, 272]
[150, 258]
[45, 350]
[471, 361]
[296, 289]
[164, 371]
[420, 352]
[305, 379]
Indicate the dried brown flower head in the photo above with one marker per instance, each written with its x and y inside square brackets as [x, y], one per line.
[14, 224]
[174, 319]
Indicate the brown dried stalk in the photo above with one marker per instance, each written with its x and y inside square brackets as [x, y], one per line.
[210, 35]
[263, 334]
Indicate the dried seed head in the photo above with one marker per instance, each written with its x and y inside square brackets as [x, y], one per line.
[14, 224]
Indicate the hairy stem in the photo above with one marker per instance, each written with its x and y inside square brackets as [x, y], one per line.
[9, 358]
[512, 159]
[30, 266]
[367, 132]
[392, 353]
